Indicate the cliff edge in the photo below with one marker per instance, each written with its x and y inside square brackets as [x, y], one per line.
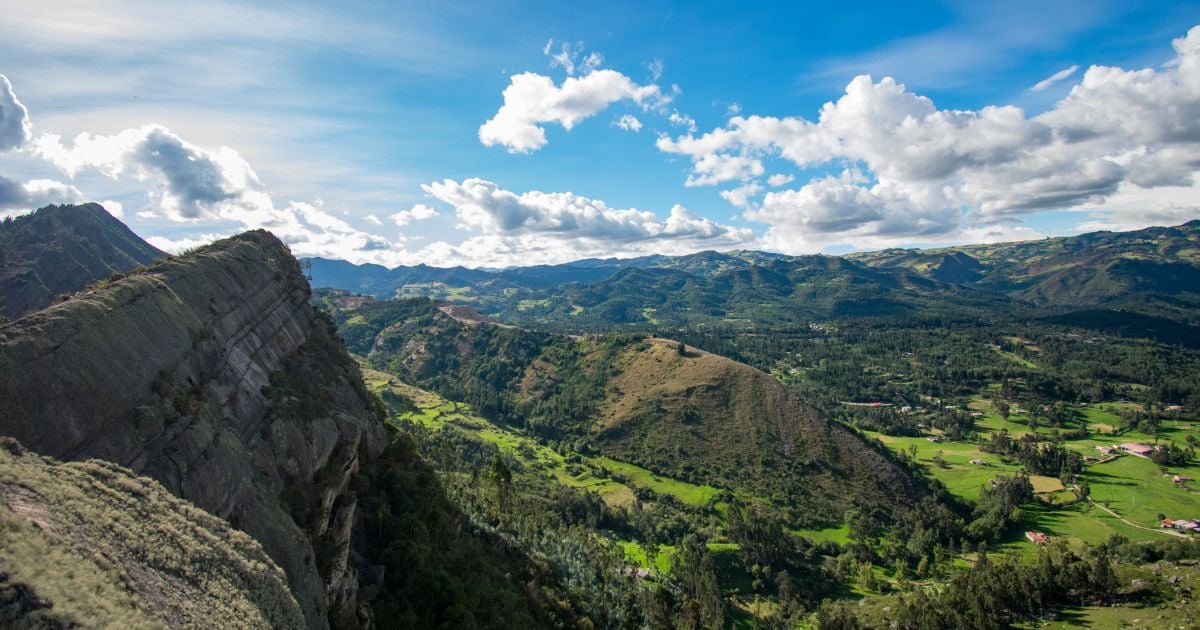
[212, 374]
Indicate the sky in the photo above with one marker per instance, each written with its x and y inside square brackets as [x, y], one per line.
[501, 134]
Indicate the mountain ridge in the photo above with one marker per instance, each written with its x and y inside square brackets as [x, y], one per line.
[211, 373]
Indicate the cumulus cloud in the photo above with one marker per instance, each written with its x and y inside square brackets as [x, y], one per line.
[544, 226]
[187, 182]
[933, 173]
[14, 118]
[419, 212]
[1054, 78]
[17, 197]
[115, 208]
[532, 100]
[196, 185]
[629, 122]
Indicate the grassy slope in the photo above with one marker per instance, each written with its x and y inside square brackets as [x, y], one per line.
[435, 412]
[105, 548]
[707, 418]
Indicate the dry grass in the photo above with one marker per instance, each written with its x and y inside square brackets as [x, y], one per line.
[105, 548]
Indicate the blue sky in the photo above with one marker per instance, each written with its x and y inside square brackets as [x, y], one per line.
[492, 135]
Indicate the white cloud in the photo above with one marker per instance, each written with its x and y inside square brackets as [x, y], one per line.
[741, 196]
[187, 182]
[19, 198]
[484, 207]
[629, 122]
[419, 212]
[532, 100]
[932, 172]
[372, 219]
[182, 244]
[14, 118]
[682, 120]
[216, 188]
[779, 179]
[1054, 78]
[572, 58]
[656, 69]
[115, 208]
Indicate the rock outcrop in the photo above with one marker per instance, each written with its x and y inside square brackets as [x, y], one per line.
[213, 374]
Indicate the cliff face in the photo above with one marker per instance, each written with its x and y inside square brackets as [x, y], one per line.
[212, 374]
[60, 249]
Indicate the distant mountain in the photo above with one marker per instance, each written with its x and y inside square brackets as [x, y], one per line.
[720, 289]
[1155, 272]
[1088, 269]
[61, 249]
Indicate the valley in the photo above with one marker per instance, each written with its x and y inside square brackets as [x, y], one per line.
[955, 392]
[750, 441]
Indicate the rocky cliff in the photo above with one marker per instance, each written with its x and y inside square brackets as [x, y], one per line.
[212, 374]
[61, 249]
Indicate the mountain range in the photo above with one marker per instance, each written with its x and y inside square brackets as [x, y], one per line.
[1154, 272]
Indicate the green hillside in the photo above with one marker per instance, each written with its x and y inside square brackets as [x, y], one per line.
[693, 415]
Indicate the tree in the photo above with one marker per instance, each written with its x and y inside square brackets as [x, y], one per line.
[501, 478]
[695, 570]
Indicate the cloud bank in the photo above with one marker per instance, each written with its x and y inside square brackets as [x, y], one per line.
[913, 171]
[539, 227]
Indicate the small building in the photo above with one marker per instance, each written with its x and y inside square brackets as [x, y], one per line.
[1107, 450]
[934, 438]
[979, 462]
[1037, 538]
[1137, 448]
[1190, 526]
[1167, 523]
[1180, 479]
